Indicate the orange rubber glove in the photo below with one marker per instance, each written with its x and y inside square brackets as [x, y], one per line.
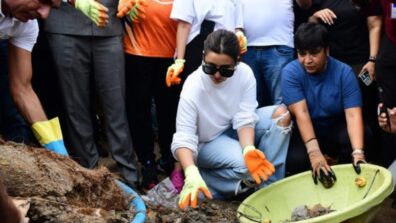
[242, 41]
[193, 184]
[172, 75]
[134, 8]
[258, 166]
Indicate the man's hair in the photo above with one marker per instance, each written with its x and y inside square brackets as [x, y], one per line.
[223, 42]
[311, 35]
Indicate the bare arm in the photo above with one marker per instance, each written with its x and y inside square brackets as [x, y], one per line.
[185, 157]
[246, 136]
[300, 111]
[374, 24]
[355, 127]
[305, 126]
[20, 73]
[183, 31]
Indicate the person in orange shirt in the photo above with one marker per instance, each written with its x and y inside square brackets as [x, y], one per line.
[149, 45]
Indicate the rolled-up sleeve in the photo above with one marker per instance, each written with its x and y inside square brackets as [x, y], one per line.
[26, 35]
[186, 128]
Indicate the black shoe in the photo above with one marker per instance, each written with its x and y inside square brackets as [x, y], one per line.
[149, 175]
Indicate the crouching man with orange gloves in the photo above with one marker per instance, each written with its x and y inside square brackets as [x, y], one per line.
[222, 141]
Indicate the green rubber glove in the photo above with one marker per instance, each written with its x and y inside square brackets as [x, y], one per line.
[172, 75]
[135, 9]
[94, 10]
[193, 184]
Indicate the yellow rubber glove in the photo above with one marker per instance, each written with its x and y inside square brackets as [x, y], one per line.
[172, 75]
[134, 8]
[193, 184]
[258, 166]
[49, 135]
[94, 10]
[242, 41]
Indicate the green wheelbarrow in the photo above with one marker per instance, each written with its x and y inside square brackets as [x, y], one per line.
[352, 204]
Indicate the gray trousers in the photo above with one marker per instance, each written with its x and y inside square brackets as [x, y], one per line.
[80, 61]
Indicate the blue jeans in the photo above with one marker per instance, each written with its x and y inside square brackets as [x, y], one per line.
[221, 162]
[267, 63]
[12, 126]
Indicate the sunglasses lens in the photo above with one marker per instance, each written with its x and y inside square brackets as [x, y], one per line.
[226, 72]
[208, 69]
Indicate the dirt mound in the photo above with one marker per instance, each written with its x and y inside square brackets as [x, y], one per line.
[60, 189]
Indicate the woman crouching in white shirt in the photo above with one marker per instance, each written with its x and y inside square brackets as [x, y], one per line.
[220, 137]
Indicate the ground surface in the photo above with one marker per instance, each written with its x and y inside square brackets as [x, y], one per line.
[224, 211]
[61, 191]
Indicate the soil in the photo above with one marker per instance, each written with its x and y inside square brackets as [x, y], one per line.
[208, 211]
[60, 189]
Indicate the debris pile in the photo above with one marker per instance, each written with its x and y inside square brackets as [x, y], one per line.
[303, 212]
[60, 190]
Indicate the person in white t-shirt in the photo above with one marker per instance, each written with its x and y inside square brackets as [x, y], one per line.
[196, 19]
[268, 26]
[18, 25]
[220, 137]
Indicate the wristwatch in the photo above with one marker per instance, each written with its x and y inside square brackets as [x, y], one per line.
[372, 59]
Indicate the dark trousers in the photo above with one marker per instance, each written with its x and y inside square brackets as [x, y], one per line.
[80, 60]
[193, 54]
[145, 79]
[385, 71]
[335, 144]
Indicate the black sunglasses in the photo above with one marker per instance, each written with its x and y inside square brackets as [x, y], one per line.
[211, 69]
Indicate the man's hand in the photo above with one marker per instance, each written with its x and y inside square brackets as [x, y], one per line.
[193, 184]
[388, 125]
[23, 206]
[94, 10]
[242, 41]
[370, 67]
[172, 75]
[258, 166]
[134, 8]
[320, 168]
[358, 158]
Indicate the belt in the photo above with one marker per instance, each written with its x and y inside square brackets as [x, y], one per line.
[259, 47]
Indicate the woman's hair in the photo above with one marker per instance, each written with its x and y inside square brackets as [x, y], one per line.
[223, 42]
[311, 35]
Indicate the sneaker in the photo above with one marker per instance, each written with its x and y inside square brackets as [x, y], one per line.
[149, 176]
[177, 179]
